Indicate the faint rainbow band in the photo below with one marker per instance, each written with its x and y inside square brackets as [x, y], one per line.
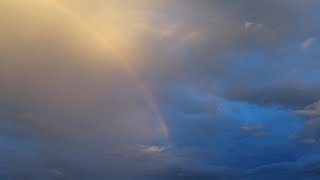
[151, 100]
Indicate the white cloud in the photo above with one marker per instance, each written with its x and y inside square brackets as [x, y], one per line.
[308, 43]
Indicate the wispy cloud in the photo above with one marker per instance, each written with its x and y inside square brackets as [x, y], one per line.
[308, 43]
[152, 149]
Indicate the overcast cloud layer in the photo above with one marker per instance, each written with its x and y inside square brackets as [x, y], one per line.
[236, 82]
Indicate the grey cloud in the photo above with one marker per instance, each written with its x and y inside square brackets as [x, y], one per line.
[203, 62]
[310, 110]
[308, 43]
[309, 134]
[295, 95]
[252, 26]
[309, 141]
[81, 108]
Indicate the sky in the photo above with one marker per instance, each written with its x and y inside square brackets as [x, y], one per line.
[159, 90]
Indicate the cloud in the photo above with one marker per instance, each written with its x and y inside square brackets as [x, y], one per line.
[224, 74]
[308, 43]
[252, 26]
[309, 141]
[252, 127]
[310, 110]
[310, 133]
[152, 149]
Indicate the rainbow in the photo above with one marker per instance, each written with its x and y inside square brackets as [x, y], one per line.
[149, 97]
